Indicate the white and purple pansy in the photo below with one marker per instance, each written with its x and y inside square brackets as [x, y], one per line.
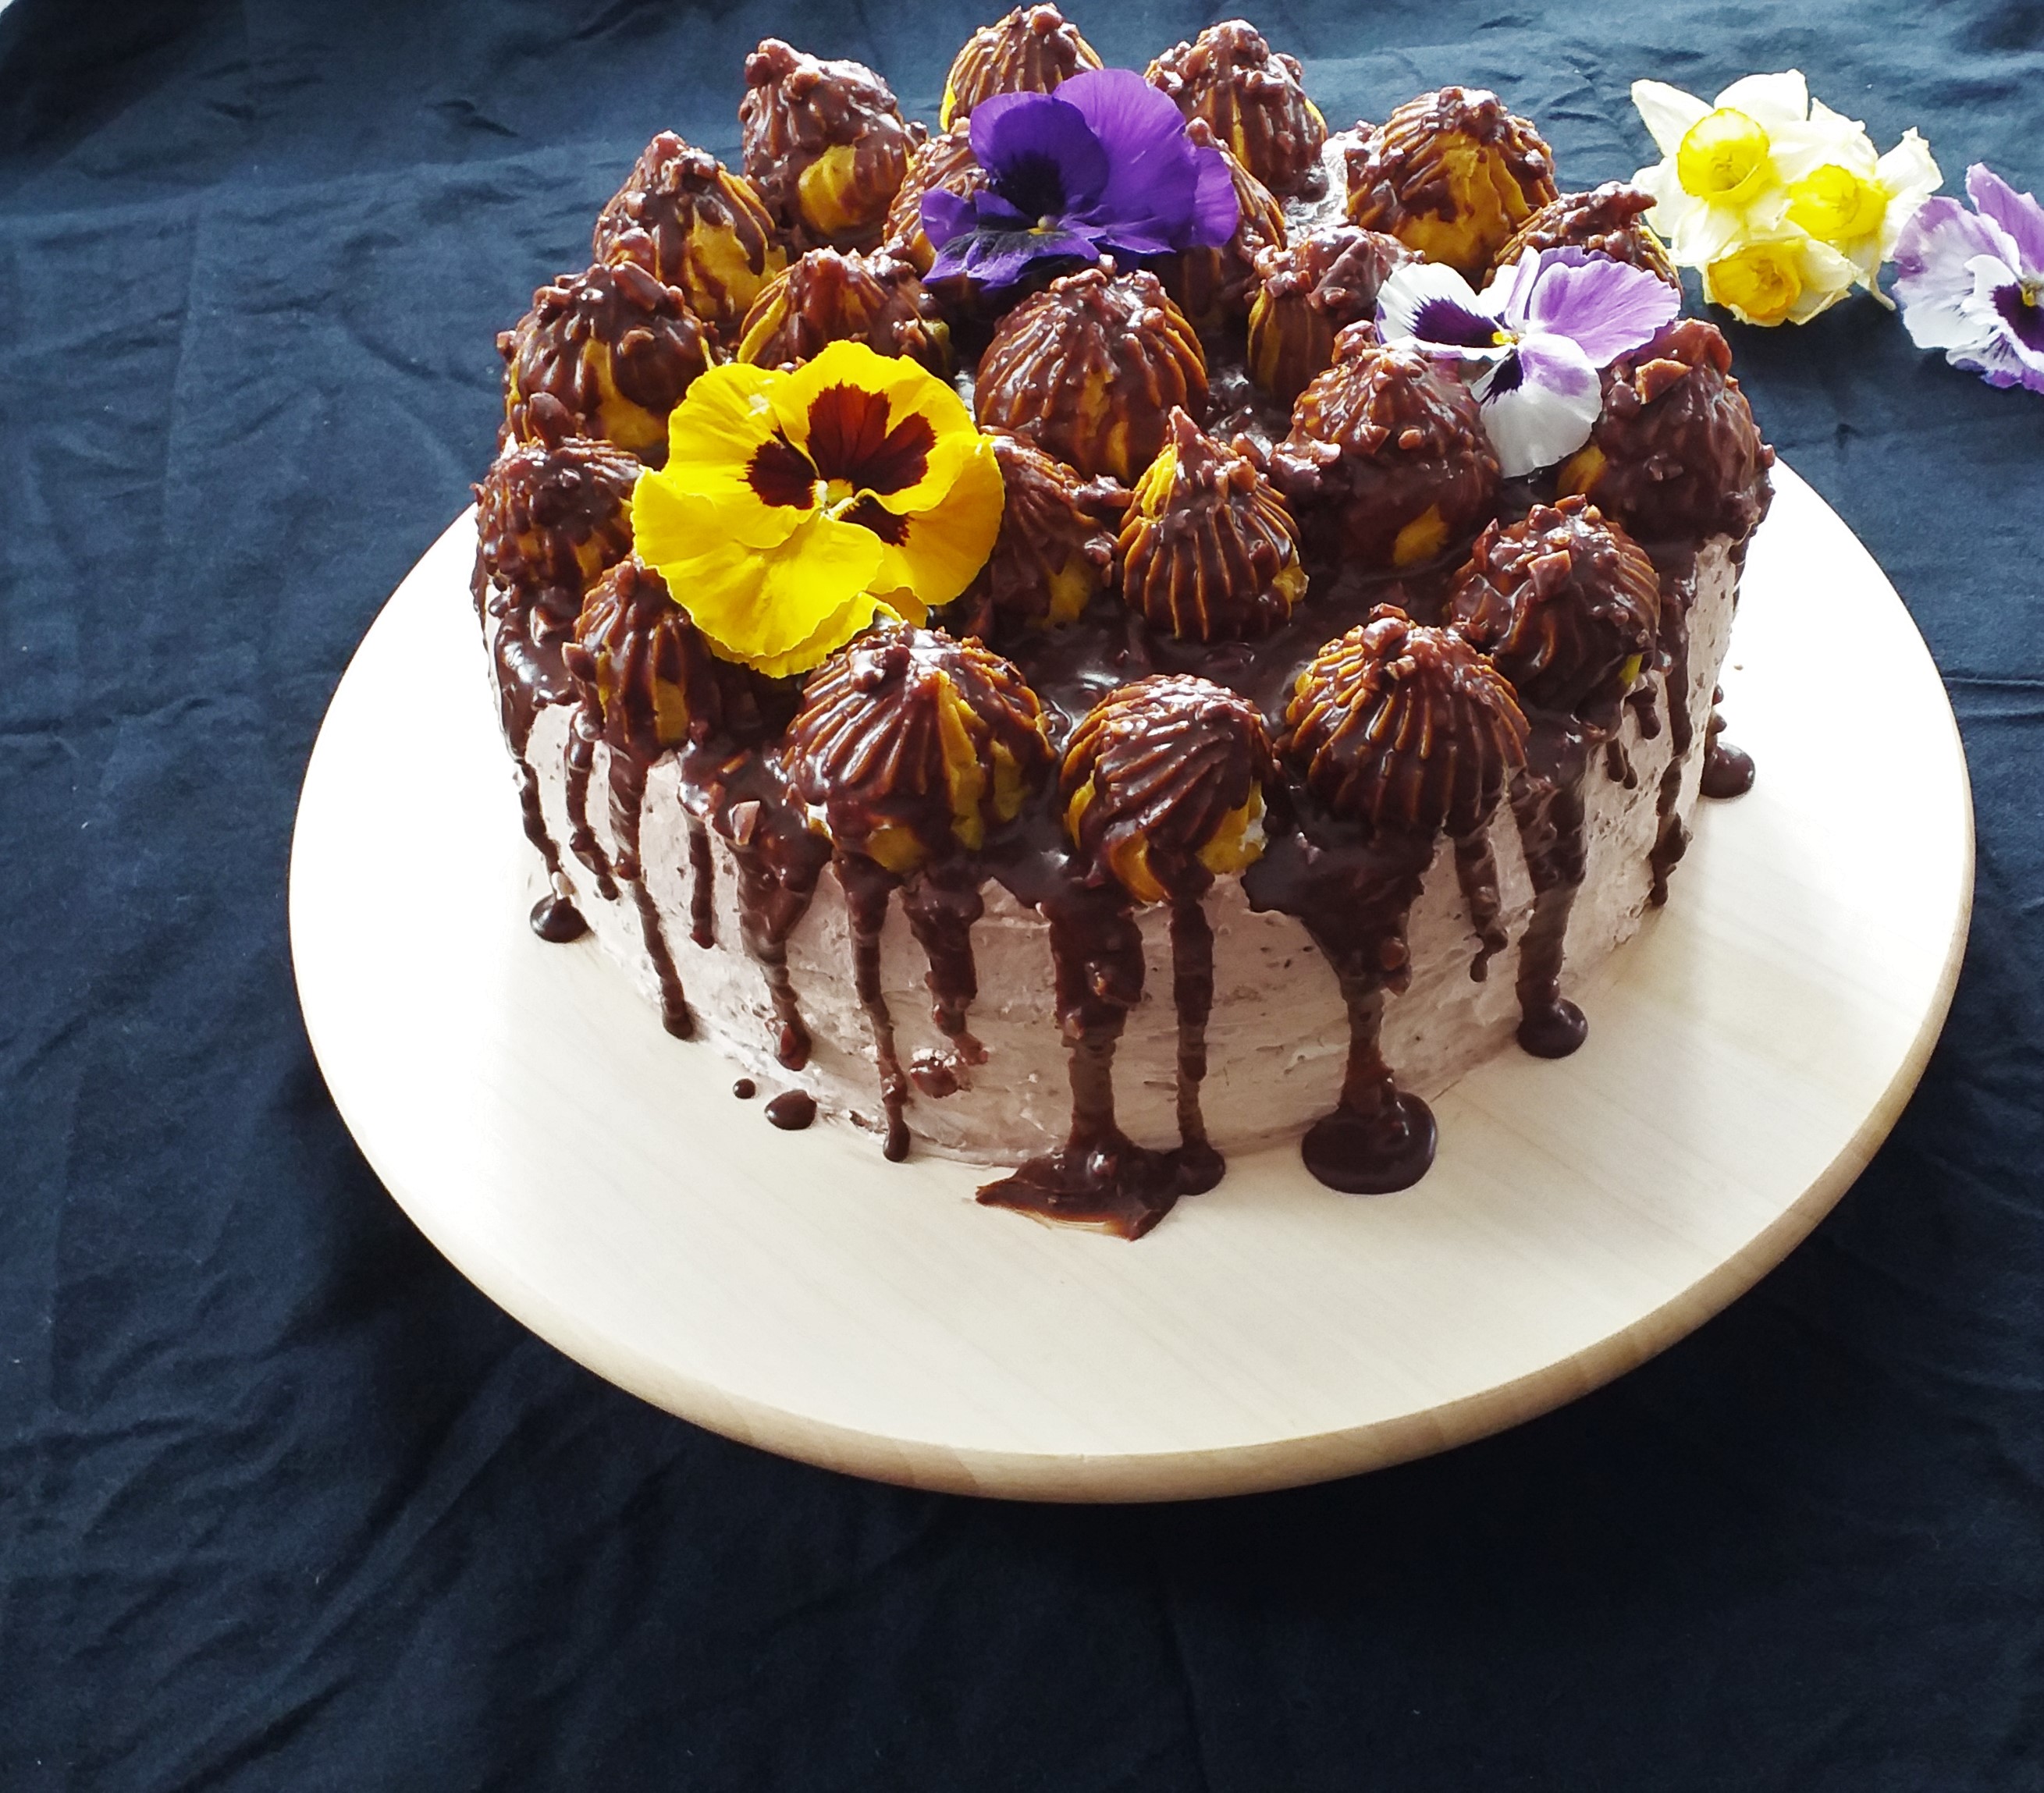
[1532, 344]
[1972, 283]
[1102, 166]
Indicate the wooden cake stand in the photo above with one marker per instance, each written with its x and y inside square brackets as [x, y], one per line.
[1747, 1053]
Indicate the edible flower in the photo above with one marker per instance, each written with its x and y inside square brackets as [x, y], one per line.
[1531, 343]
[1780, 201]
[1972, 283]
[1103, 165]
[797, 507]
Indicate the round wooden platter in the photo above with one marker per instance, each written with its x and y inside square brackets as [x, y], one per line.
[1747, 1052]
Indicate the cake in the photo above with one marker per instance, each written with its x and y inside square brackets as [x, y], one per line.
[1059, 670]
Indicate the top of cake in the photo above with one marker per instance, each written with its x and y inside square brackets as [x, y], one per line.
[1124, 478]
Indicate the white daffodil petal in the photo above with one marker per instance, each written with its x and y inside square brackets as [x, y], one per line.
[1712, 230]
[1774, 102]
[1911, 177]
[1667, 112]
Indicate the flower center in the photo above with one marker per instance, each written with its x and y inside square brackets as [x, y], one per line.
[1034, 186]
[1836, 205]
[1763, 280]
[852, 451]
[1725, 158]
[2020, 306]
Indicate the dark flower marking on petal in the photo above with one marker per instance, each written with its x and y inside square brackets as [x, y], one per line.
[2023, 314]
[850, 439]
[1442, 320]
[869, 513]
[1509, 375]
[782, 474]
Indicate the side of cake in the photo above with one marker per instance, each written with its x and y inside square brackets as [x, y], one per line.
[1099, 680]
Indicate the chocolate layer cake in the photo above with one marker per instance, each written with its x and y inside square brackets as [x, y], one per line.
[1283, 757]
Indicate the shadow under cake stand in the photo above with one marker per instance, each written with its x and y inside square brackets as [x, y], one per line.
[1747, 1053]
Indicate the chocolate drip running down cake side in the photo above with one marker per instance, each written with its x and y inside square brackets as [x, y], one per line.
[1281, 751]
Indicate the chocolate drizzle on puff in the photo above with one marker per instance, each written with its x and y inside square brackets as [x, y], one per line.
[1451, 174]
[1089, 370]
[1252, 97]
[693, 225]
[825, 145]
[1032, 50]
[607, 353]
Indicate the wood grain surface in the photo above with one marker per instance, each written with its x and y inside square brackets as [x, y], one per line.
[1747, 1053]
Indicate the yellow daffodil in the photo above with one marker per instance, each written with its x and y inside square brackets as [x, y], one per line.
[1780, 201]
[795, 508]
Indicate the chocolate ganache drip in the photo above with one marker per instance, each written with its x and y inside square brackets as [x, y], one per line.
[607, 353]
[1451, 174]
[1677, 457]
[825, 145]
[1031, 50]
[1308, 293]
[1400, 732]
[828, 296]
[1254, 100]
[907, 748]
[1568, 605]
[1090, 369]
[1388, 463]
[1208, 551]
[1610, 220]
[550, 519]
[693, 224]
[1162, 787]
[650, 685]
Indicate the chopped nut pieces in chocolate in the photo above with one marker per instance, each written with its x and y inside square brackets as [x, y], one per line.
[1032, 50]
[1610, 221]
[825, 145]
[828, 296]
[1566, 603]
[1208, 551]
[607, 353]
[1089, 370]
[690, 222]
[1451, 174]
[1387, 463]
[1252, 97]
[1309, 291]
[1677, 453]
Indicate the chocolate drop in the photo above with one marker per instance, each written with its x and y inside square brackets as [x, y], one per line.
[556, 919]
[791, 1110]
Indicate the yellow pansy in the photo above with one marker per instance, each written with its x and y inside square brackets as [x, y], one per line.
[796, 508]
[1780, 201]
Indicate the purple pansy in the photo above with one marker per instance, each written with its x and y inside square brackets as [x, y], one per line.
[1102, 165]
[1972, 283]
[1531, 343]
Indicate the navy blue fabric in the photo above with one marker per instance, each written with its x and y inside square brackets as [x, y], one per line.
[284, 1503]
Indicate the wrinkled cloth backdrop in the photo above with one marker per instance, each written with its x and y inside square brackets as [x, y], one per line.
[284, 1503]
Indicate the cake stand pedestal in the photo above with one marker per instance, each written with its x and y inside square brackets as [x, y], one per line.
[1747, 1053]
